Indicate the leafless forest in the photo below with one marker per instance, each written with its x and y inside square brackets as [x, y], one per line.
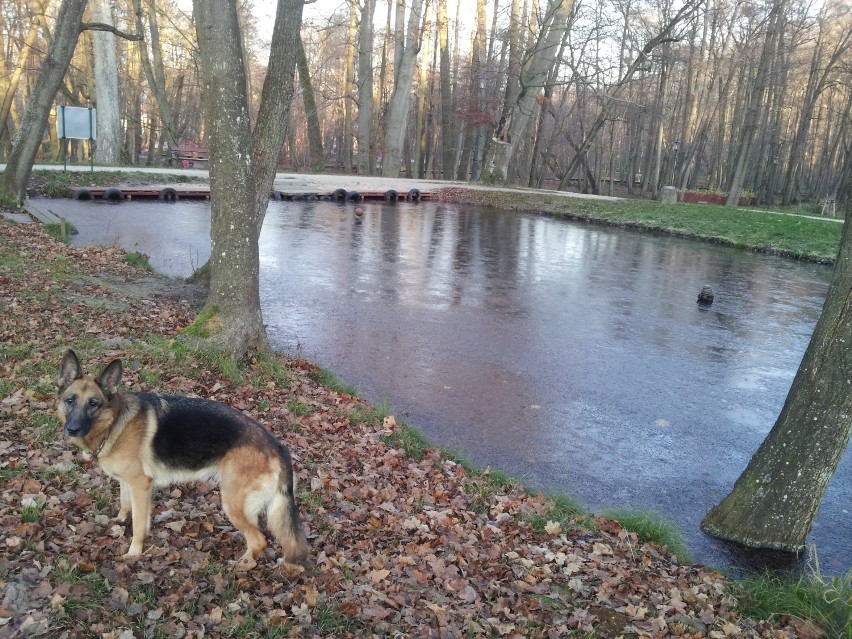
[745, 97]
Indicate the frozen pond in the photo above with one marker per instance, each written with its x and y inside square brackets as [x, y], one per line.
[571, 356]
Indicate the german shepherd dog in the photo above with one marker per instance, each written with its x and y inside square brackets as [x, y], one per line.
[145, 440]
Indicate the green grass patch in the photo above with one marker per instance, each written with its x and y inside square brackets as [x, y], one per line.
[330, 380]
[138, 260]
[9, 202]
[32, 514]
[189, 356]
[410, 440]
[274, 367]
[566, 510]
[779, 233]
[650, 527]
[205, 324]
[366, 414]
[300, 409]
[149, 377]
[826, 603]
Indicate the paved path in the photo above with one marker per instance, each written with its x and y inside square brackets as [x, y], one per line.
[294, 182]
[316, 183]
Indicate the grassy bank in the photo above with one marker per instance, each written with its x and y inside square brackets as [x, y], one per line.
[794, 236]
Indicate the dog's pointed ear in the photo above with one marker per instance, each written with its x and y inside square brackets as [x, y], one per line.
[110, 378]
[69, 370]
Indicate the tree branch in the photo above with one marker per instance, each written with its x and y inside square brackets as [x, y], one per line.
[100, 26]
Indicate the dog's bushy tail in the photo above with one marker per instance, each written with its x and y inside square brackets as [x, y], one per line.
[282, 519]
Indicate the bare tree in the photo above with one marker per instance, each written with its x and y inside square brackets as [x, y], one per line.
[365, 88]
[33, 122]
[242, 162]
[398, 108]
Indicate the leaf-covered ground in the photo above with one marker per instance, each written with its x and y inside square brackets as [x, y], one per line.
[404, 545]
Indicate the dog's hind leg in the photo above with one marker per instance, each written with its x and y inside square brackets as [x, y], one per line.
[242, 505]
[282, 518]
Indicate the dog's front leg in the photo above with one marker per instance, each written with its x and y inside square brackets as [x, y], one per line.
[124, 501]
[140, 501]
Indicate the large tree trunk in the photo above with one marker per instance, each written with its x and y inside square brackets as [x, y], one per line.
[242, 162]
[106, 87]
[33, 122]
[775, 500]
[398, 108]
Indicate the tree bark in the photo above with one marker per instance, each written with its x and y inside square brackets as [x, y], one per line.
[775, 500]
[107, 101]
[365, 88]
[35, 116]
[242, 162]
[316, 157]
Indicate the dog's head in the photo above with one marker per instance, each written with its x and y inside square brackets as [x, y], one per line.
[85, 402]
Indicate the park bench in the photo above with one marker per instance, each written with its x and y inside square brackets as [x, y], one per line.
[186, 155]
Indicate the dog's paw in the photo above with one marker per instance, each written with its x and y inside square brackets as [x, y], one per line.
[121, 516]
[245, 563]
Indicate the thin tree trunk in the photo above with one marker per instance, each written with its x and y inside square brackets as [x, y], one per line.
[316, 157]
[365, 88]
[447, 136]
[542, 58]
[609, 100]
[9, 84]
[398, 109]
[348, 85]
[152, 63]
[755, 103]
[35, 116]
[420, 134]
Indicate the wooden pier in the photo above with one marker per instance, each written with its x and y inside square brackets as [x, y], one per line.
[172, 193]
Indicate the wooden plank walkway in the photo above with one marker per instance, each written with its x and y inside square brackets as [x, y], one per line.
[46, 216]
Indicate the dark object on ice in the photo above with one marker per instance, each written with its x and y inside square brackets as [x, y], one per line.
[705, 297]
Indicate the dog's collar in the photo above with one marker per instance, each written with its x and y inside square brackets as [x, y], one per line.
[97, 452]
